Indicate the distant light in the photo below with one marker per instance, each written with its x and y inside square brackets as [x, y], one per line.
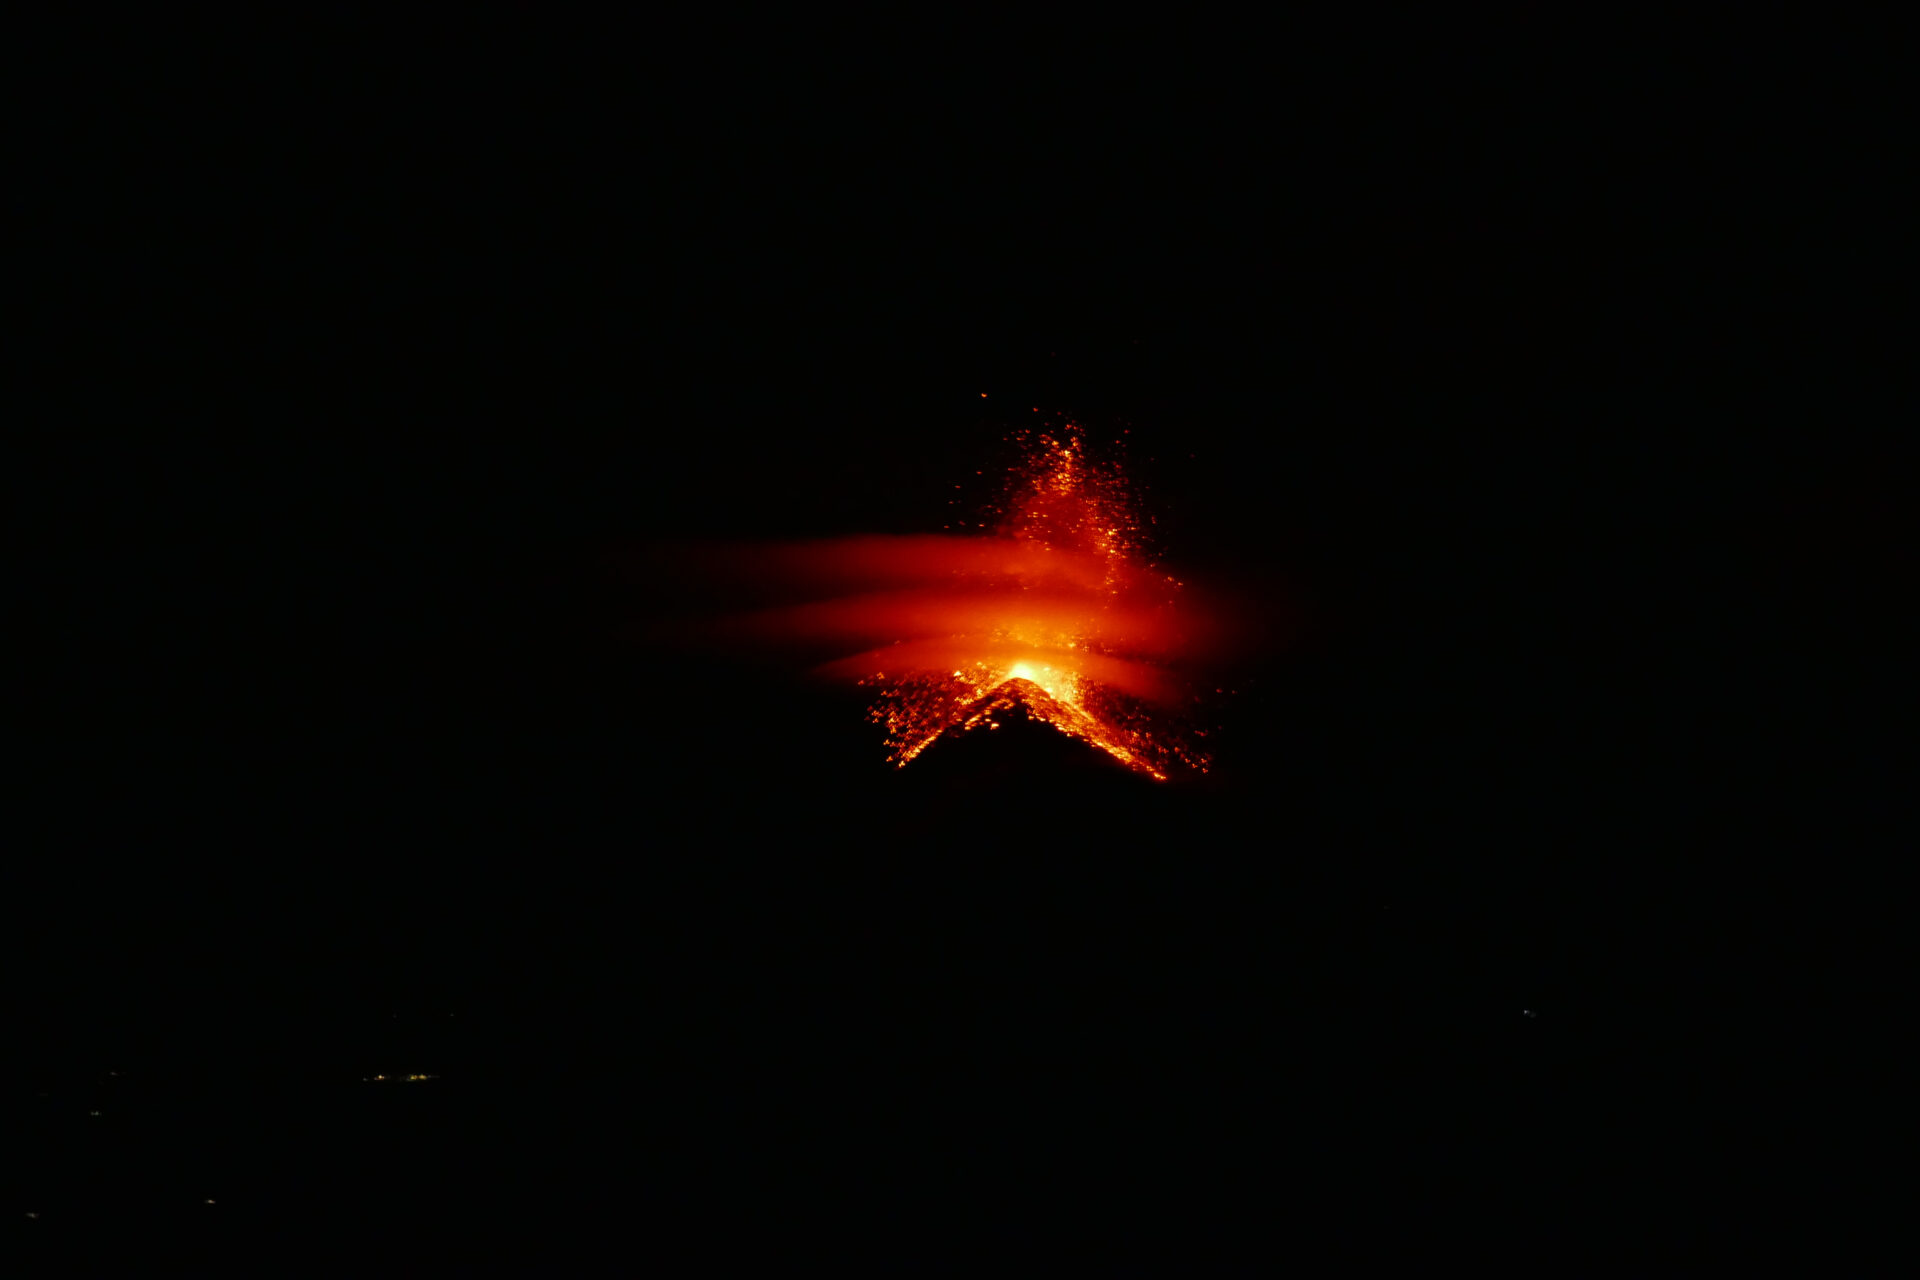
[93, 1113]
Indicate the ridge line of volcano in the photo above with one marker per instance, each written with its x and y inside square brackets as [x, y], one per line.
[1043, 707]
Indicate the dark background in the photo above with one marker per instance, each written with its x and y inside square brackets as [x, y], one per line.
[1540, 396]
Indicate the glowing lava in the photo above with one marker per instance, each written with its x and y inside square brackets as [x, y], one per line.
[1053, 604]
[1064, 616]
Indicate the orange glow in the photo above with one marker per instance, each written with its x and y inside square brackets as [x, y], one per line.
[1055, 605]
[1058, 609]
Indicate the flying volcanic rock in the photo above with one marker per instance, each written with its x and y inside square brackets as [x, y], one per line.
[1021, 730]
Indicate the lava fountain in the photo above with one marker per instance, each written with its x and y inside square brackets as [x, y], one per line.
[1069, 625]
[1054, 604]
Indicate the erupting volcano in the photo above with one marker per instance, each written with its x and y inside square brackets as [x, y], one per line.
[1059, 610]
[1054, 605]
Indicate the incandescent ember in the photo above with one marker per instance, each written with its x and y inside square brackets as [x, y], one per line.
[1076, 626]
[1054, 602]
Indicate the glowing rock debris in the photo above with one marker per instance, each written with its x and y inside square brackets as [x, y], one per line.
[1051, 603]
[1057, 608]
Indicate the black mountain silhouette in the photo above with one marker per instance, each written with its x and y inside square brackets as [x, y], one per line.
[1015, 738]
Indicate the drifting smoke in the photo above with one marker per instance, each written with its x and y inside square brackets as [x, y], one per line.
[1057, 606]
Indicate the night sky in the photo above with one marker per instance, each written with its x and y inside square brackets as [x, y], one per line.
[1539, 413]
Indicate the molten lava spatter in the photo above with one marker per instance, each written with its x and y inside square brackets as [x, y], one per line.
[1068, 623]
